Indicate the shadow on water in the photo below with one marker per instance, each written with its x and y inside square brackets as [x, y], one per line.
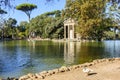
[22, 57]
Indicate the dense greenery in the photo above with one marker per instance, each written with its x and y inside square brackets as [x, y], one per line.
[91, 17]
[27, 8]
[11, 31]
[114, 14]
[2, 11]
[95, 19]
[8, 30]
[48, 25]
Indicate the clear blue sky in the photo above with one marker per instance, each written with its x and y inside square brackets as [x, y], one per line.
[42, 5]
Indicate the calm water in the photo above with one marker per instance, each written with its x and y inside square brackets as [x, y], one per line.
[18, 58]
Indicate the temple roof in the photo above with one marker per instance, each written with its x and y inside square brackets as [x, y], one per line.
[69, 22]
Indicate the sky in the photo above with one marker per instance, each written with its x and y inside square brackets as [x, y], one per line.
[42, 7]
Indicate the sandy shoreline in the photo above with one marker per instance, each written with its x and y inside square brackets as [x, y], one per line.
[108, 70]
[103, 69]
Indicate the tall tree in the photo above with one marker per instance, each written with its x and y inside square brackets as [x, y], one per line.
[90, 15]
[11, 22]
[10, 26]
[114, 13]
[27, 8]
[2, 20]
[2, 12]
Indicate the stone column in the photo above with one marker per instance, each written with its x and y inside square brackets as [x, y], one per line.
[73, 31]
[68, 32]
[65, 32]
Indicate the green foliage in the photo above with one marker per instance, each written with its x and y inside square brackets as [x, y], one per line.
[114, 13]
[90, 14]
[10, 3]
[21, 35]
[23, 30]
[109, 35]
[2, 11]
[11, 31]
[23, 26]
[9, 28]
[27, 8]
[47, 24]
[11, 22]
[56, 13]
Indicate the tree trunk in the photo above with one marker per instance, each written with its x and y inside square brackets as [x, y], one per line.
[29, 28]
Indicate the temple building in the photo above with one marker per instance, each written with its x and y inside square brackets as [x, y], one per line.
[69, 30]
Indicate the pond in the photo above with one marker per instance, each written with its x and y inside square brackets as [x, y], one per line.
[21, 57]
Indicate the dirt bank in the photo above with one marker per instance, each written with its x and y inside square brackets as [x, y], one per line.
[103, 69]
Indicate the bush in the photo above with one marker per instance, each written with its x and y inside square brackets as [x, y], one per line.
[110, 35]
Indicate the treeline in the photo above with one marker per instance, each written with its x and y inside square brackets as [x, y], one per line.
[95, 17]
[9, 30]
[47, 25]
[96, 20]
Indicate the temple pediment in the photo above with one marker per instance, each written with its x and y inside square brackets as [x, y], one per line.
[69, 22]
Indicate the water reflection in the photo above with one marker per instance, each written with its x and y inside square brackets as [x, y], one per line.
[10, 57]
[22, 57]
[13, 57]
[80, 52]
[32, 43]
[112, 48]
[69, 53]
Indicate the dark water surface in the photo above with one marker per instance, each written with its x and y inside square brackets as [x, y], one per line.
[18, 58]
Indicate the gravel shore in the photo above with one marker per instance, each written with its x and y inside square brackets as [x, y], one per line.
[103, 69]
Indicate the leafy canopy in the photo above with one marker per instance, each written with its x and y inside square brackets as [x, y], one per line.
[2, 11]
[47, 25]
[90, 15]
[11, 22]
[27, 8]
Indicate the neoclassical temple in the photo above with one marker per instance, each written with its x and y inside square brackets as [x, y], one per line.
[69, 29]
